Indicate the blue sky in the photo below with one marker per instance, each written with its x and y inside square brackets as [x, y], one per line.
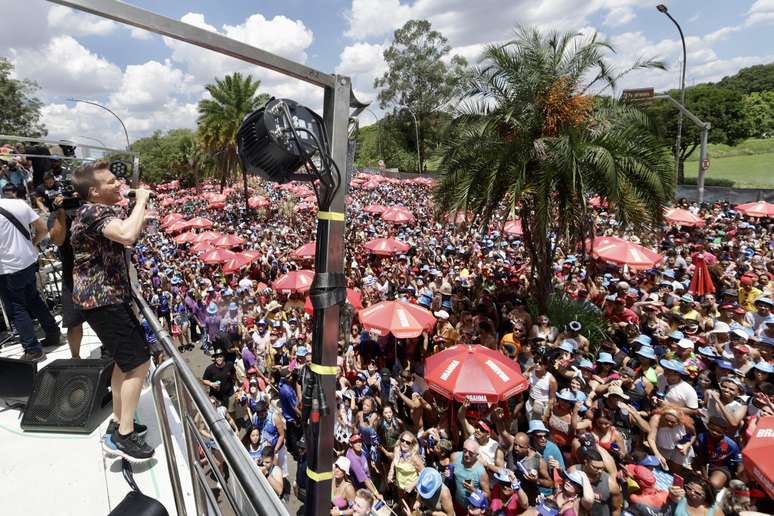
[155, 83]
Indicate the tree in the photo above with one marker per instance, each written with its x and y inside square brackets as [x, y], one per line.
[421, 78]
[233, 97]
[750, 80]
[20, 114]
[758, 109]
[192, 158]
[160, 154]
[529, 139]
[719, 106]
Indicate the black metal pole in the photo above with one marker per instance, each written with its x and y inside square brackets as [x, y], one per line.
[320, 410]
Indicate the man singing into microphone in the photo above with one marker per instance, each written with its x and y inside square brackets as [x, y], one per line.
[101, 289]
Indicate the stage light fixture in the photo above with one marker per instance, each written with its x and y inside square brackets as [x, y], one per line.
[278, 139]
[119, 169]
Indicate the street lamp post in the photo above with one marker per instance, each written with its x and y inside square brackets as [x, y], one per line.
[663, 9]
[378, 133]
[93, 139]
[126, 133]
[416, 128]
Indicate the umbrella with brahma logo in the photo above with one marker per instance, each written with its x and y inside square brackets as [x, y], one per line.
[474, 372]
[757, 454]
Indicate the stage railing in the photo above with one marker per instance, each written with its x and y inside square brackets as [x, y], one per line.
[244, 486]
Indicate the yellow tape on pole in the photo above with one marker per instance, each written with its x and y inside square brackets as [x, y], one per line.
[330, 215]
[323, 370]
[319, 477]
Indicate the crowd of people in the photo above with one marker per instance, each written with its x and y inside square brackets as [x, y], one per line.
[650, 419]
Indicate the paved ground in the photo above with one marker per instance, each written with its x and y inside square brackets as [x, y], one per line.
[198, 361]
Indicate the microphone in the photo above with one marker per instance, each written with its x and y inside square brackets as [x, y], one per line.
[131, 194]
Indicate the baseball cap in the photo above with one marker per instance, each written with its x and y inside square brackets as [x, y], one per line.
[764, 301]
[477, 499]
[302, 351]
[685, 344]
[615, 390]
[720, 327]
[740, 333]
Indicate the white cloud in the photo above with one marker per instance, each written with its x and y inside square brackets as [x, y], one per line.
[619, 16]
[721, 34]
[152, 84]
[65, 67]
[363, 62]
[761, 12]
[140, 34]
[75, 23]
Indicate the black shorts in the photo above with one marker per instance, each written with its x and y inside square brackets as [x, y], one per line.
[121, 334]
[72, 315]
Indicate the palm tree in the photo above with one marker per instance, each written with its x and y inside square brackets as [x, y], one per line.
[193, 157]
[233, 97]
[529, 137]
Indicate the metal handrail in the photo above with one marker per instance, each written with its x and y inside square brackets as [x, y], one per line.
[255, 487]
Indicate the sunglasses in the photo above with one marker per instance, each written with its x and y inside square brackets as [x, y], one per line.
[407, 441]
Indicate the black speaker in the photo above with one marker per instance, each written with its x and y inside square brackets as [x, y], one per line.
[70, 396]
[17, 378]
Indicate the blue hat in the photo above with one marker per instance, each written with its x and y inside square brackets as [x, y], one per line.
[566, 395]
[573, 476]
[168, 271]
[233, 306]
[672, 365]
[647, 352]
[605, 358]
[278, 343]
[446, 305]
[212, 309]
[362, 377]
[765, 367]
[677, 335]
[261, 323]
[585, 363]
[301, 351]
[567, 346]
[536, 425]
[765, 301]
[176, 280]
[668, 274]
[477, 499]
[707, 352]
[228, 292]
[425, 300]
[687, 298]
[429, 482]
[725, 364]
[503, 476]
[643, 339]
[650, 461]
[769, 320]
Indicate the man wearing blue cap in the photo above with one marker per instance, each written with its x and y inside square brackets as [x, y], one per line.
[676, 391]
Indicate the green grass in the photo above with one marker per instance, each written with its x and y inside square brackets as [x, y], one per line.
[746, 171]
[748, 147]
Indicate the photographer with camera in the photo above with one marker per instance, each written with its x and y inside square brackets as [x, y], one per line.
[46, 192]
[59, 227]
[101, 288]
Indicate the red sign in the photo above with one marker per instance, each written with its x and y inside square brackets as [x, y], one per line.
[705, 164]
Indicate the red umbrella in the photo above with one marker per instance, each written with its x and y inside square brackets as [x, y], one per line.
[258, 201]
[200, 247]
[475, 372]
[294, 281]
[459, 217]
[217, 255]
[756, 209]
[169, 201]
[682, 217]
[237, 262]
[171, 218]
[375, 209]
[304, 252]
[386, 246]
[253, 253]
[757, 454]
[370, 185]
[185, 237]
[200, 223]
[397, 215]
[513, 227]
[404, 320]
[228, 241]
[353, 298]
[180, 225]
[598, 202]
[622, 252]
[701, 282]
[216, 205]
[207, 236]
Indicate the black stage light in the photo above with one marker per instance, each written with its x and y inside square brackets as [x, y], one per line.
[276, 140]
[119, 169]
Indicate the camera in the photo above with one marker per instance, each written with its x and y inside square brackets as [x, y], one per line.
[67, 191]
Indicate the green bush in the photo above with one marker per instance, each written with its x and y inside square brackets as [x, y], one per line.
[710, 181]
[562, 310]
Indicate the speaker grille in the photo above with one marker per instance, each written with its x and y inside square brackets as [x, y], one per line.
[68, 396]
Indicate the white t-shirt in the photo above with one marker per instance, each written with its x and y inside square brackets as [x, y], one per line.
[681, 394]
[16, 252]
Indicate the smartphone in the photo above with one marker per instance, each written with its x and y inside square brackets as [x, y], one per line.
[678, 481]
